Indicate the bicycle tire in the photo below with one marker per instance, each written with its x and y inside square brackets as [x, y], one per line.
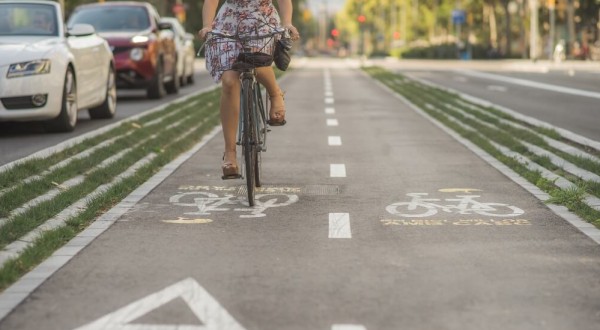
[261, 129]
[248, 139]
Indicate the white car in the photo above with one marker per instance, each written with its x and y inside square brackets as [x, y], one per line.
[186, 54]
[49, 74]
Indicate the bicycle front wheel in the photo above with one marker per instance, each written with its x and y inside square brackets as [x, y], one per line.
[260, 121]
[248, 138]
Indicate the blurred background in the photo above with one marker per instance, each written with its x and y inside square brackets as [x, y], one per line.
[431, 29]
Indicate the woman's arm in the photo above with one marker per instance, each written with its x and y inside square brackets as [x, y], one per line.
[209, 10]
[285, 15]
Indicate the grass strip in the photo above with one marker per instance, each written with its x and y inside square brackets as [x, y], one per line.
[50, 241]
[26, 191]
[421, 97]
[25, 222]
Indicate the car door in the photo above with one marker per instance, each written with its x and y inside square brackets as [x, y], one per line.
[91, 67]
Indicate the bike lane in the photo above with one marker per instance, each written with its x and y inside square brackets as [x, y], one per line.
[379, 245]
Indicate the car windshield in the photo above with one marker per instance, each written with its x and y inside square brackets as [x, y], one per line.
[27, 19]
[115, 18]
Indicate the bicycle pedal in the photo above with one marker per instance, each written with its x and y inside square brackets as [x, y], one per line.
[231, 177]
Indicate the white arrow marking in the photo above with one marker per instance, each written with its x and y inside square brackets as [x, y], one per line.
[204, 306]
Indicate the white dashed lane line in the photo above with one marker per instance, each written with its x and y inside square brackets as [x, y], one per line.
[334, 141]
[332, 122]
[329, 110]
[339, 225]
[337, 170]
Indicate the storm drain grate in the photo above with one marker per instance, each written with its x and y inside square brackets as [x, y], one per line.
[314, 190]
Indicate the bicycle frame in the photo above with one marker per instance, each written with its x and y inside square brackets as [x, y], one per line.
[259, 117]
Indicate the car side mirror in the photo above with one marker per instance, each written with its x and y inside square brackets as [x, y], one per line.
[80, 30]
[165, 26]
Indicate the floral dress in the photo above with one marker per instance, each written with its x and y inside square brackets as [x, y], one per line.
[239, 17]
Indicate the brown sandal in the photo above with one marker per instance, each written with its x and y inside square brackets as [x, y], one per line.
[230, 169]
[277, 116]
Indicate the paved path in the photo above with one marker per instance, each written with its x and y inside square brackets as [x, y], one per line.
[335, 244]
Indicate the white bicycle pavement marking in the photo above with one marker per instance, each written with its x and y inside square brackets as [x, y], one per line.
[420, 207]
[207, 203]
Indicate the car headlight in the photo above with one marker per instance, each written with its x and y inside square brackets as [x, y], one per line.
[136, 54]
[29, 68]
[140, 39]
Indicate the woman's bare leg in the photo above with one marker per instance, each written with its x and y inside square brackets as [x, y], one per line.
[266, 77]
[230, 112]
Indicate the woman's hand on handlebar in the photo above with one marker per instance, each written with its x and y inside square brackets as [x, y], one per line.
[294, 34]
[204, 32]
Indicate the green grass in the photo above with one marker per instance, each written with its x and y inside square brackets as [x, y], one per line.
[446, 105]
[195, 117]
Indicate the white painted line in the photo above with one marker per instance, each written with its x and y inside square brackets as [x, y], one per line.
[328, 93]
[203, 305]
[330, 111]
[497, 88]
[332, 122]
[348, 327]
[337, 170]
[339, 225]
[334, 141]
[329, 100]
[533, 84]
[533, 121]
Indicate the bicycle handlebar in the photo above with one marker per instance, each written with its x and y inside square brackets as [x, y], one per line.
[217, 34]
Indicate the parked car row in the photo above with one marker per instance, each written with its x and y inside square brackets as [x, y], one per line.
[49, 70]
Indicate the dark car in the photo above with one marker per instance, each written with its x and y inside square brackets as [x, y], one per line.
[142, 45]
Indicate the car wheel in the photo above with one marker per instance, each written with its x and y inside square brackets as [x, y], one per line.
[67, 119]
[108, 108]
[190, 78]
[173, 85]
[156, 90]
[182, 79]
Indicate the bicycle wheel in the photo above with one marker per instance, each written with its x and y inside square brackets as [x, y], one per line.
[248, 138]
[261, 127]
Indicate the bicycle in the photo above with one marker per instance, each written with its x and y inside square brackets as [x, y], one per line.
[257, 51]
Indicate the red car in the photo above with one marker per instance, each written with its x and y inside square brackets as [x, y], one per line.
[143, 47]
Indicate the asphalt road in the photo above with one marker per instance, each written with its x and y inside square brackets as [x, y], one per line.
[564, 96]
[333, 244]
[18, 140]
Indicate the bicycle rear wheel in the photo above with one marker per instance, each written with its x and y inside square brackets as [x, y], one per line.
[248, 138]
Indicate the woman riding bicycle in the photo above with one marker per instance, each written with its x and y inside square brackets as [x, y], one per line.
[236, 16]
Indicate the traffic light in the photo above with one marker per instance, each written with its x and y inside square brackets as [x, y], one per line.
[335, 33]
[361, 19]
